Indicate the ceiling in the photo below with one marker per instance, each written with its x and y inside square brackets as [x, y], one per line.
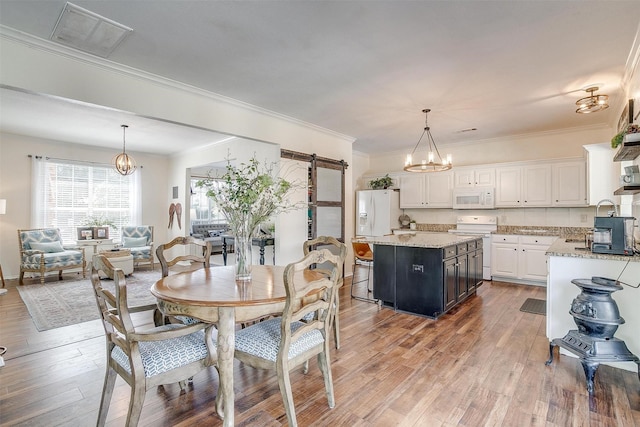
[361, 68]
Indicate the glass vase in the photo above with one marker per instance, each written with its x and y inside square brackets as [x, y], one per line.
[243, 257]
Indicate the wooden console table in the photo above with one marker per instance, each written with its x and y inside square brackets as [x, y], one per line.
[257, 241]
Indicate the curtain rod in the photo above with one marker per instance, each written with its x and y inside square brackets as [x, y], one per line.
[72, 160]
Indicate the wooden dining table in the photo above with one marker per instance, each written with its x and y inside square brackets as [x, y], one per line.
[212, 295]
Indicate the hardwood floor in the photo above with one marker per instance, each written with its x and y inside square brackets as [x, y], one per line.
[480, 365]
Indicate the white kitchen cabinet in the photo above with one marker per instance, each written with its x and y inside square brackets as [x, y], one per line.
[520, 257]
[430, 190]
[523, 186]
[504, 256]
[485, 177]
[569, 184]
[412, 191]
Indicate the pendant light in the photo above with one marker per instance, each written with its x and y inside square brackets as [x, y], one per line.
[434, 162]
[124, 163]
[592, 103]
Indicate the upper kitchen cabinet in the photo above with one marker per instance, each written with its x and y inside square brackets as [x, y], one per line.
[429, 190]
[523, 186]
[569, 184]
[468, 177]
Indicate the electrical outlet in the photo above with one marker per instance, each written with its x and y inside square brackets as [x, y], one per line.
[583, 218]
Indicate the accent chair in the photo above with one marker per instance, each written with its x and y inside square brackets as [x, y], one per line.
[139, 239]
[42, 250]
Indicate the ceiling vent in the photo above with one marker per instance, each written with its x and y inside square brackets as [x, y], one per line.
[87, 31]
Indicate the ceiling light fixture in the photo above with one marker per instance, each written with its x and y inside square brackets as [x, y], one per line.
[592, 103]
[124, 163]
[432, 164]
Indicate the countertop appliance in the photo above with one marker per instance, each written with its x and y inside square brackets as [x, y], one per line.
[377, 212]
[474, 198]
[482, 225]
[613, 235]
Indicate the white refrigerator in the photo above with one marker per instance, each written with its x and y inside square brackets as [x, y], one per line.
[377, 212]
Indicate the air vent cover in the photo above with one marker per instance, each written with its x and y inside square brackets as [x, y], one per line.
[87, 31]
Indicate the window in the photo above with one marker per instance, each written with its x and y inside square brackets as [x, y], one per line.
[68, 194]
[203, 208]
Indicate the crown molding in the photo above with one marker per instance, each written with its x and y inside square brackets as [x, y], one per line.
[75, 55]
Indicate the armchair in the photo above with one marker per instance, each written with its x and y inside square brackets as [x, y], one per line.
[139, 239]
[42, 250]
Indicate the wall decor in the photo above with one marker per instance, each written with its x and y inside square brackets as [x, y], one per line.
[172, 212]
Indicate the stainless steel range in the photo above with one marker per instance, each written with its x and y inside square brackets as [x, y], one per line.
[597, 317]
[482, 225]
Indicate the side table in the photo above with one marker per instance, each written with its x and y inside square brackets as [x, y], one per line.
[120, 258]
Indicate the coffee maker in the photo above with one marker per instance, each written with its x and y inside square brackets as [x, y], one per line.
[613, 234]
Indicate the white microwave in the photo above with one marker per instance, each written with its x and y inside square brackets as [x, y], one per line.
[474, 198]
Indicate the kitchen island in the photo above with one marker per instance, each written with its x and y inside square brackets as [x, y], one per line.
[567, 261]
[426, 273]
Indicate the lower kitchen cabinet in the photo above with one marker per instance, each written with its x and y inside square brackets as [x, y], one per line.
[520, 257]
[426, 281]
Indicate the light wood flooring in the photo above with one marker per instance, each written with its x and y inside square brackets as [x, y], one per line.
[480, 365]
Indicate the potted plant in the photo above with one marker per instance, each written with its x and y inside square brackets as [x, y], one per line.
[412, 224]
[381, 183]
[617, 140]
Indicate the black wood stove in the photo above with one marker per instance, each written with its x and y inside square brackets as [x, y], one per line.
[597, 317]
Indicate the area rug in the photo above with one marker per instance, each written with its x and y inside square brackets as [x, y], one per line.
[535, 306]
[57, 304]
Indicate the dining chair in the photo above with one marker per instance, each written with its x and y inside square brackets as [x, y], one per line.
[143, 358]
[201, 259]
[333, 245]
[284, 343]
[362, 253]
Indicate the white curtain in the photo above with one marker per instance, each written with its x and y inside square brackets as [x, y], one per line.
[38, 193]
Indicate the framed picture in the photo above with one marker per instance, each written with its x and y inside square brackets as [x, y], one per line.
[100, 232]
[85, 233]
[626, 117]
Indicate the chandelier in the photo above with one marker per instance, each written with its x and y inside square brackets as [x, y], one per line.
[434, 162]
[124, 163]
[592, 103]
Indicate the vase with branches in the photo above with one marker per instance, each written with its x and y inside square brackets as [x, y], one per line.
[251, 193]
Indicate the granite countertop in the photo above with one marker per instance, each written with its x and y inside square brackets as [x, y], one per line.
[562, 247]
[423, 239]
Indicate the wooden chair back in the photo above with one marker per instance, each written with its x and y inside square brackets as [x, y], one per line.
[321, 242]
[201, 247]
[323, 306]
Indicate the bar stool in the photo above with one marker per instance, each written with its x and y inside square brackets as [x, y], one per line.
[362, 252]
